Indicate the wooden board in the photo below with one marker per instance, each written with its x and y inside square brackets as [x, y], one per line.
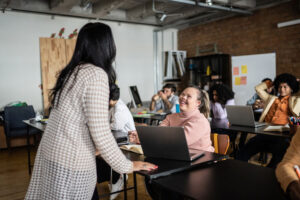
[55, 54]
[70, 46]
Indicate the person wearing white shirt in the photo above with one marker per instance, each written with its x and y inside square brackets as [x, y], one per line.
[120, 117]
[165, 100]
[121, 122]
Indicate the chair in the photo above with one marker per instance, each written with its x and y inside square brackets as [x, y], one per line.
[13, 122]
[220, 142]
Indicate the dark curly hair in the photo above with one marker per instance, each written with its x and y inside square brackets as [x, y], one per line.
[288, 79]
[223, 91]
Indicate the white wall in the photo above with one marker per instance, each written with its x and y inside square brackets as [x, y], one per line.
[20, 58]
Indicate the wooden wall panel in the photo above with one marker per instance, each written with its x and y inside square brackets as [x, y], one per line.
[70, 46]
[55, 55]
[53, 59]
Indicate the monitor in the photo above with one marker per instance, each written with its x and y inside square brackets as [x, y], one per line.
[135, 97]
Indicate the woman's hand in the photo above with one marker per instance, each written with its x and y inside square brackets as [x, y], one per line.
[155, 97]
[293, 190]
[133, 137]
[139, 165]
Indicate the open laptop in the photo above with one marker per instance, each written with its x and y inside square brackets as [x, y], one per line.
[166, 142]
[242, 116]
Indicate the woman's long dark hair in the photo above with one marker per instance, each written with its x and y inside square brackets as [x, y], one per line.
[223, 91]
[94, 45]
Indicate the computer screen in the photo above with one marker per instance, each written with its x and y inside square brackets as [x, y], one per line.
[135, 96]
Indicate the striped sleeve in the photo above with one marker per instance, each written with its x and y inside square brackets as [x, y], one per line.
[96, 111]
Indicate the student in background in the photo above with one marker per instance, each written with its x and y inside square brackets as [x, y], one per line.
[120, 117]
[256, 101]
[285, 172]
[277, 110]
[165, 100]
[65, 166]
[121, 122]
[220, 96]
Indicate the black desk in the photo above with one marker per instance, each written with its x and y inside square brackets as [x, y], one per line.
[141, 118]
[168, 167]
[229, 179]
[39, 126]
[223, 125]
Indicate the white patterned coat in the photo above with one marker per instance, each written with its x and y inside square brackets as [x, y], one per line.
[65, 165]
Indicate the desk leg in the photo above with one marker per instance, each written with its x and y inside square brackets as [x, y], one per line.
[125, 186]
[28, 151]
[134, 186]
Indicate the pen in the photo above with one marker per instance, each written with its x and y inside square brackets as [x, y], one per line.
[297, 170]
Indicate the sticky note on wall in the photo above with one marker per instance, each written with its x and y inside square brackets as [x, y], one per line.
[244, 69]
[236, 70]
[244, 80]
[237, 81]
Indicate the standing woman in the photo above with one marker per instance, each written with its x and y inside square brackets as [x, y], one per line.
[78, 125]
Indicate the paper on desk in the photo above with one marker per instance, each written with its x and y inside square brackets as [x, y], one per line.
[278, 128]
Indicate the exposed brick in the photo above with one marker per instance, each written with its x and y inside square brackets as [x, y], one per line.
[255, 34]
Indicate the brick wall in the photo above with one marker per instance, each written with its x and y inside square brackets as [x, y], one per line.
[255, 34]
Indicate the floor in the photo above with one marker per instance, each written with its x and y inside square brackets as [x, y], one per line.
[14, 178]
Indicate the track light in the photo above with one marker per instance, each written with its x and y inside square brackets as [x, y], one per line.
[163, 17]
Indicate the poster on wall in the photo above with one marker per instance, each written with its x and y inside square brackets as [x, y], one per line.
[248, 71]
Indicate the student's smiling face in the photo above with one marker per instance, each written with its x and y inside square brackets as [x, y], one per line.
[188, 100]
[284, 89]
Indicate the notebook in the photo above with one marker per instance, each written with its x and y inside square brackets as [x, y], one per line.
[242, 116]
[166, 142]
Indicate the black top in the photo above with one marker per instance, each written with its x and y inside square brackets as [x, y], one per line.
[229, 179]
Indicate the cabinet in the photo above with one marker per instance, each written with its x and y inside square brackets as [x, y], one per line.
[205, 71]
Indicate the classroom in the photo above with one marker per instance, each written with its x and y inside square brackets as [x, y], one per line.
[150, 99]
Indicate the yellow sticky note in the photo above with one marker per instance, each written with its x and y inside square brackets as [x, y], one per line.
[237, 81]
[244, 69]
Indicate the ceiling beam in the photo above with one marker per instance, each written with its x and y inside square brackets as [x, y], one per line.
[223, 8]
[186, 13]
[63, 5]
[238, 3]
[104, 7]
[145, 10]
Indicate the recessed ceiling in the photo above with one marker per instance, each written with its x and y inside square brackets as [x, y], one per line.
[161, 13]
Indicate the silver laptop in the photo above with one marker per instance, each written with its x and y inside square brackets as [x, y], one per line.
[242, 116]
[166, 142]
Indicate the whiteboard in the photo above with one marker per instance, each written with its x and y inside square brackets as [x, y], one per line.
[248, 71]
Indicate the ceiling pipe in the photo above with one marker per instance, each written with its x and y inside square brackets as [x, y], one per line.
[217, 7]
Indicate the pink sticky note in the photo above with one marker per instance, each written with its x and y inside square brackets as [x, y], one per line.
[236, 71]
[243, 80]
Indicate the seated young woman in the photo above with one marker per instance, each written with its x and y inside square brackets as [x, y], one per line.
[220, 96]
[277, 110]
[194, 110]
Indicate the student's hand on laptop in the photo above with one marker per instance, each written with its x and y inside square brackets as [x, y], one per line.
[133, 137]
[139, 165]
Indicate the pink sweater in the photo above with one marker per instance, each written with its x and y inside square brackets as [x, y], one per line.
[196, 127]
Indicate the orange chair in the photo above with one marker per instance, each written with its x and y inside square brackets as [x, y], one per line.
[220, 142]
